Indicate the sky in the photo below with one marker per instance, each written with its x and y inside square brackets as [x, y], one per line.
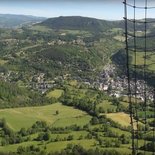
[101, 9]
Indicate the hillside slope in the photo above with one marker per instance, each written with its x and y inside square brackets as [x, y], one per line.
[79, 23]
[13, 21]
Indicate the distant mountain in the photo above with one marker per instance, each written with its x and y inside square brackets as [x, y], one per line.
[14, 21]
[89, 24]
[79, 23]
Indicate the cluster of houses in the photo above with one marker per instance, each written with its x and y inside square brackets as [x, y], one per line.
[118, 86]
[8, 76]
[39, 82]
[108, 81]
[78, 41]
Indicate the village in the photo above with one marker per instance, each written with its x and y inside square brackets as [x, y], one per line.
[108, 81]
[118, 85]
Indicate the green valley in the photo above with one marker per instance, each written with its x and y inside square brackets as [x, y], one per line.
[63, 89]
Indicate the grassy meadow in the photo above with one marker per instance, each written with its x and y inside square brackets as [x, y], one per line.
[140, 60]
[55, 93]
[120, 117]
[29, 115]
[106, 105]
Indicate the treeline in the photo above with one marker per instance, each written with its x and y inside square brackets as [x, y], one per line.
[45, 131]
[56, 60]
[90, 100]
[13, 96]
[120, 60]
[23, 135]
[86, 102]
[11, 137]
[69, 150]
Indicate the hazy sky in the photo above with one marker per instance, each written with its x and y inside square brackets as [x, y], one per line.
[102, 9]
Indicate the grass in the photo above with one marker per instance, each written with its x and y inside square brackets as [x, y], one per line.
[149, 114]
[51, 147]
[41, 28]
[2, 62]
[80, 120]
[124, 104]
[120, 117]
[126, 100]
[28, 47]
[119, 38]
[116, 30]
[25, 117]
[77, 32]
[122, 150]
[75, 134]
[140, 60]
[55, 93]
[106, 105]
[73, 82]
[13, 148]
[57, 146]
[119, 131]
[80, 93]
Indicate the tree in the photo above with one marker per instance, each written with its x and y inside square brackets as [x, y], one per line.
[57, 112]
[101, 110]
[124, 139]
[70, 137]
[21, 149]
[23, 132]
[40, 137]
[94, 121]
[4, 142]
[46, 136]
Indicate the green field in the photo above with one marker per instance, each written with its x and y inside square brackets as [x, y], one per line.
[51, 147]
[41, 28]
[149, 114]
[14, 147]
[78, 120]
[55, 93]
[120, 117]
[61, 145]
[119, 132]
[25, 117]
[106, 105]
[140, 60]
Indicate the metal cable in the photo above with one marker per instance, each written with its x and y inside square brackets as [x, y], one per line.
[140, 21]
[132, 92]
[128, 75]
[145, 77]
[135, 79]
[154, 122]
[131, 48]
[139, 7]
[135, 36]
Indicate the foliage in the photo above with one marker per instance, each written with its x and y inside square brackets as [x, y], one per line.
[13, 96]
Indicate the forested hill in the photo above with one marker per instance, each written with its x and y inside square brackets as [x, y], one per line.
[88, 24]
[13, 21]
[80, 23]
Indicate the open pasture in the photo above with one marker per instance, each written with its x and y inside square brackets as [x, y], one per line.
[25, 117]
